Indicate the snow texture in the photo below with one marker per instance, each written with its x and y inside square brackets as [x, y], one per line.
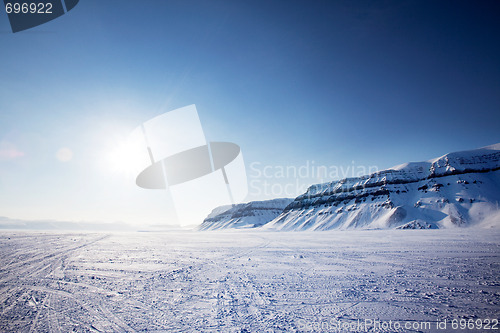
[249, 281]
[457, 189]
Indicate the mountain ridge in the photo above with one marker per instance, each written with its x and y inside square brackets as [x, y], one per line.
[410, 195]
[245, 215]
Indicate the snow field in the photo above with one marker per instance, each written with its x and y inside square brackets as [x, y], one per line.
[248, 281]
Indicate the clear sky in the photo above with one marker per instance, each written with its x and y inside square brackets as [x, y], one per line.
[341, 84]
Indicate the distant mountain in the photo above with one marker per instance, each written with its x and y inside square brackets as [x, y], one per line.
[246, 215]
[457, 189]
[17, 224]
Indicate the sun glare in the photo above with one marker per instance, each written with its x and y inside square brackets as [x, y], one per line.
[123, 160]
[122, 154]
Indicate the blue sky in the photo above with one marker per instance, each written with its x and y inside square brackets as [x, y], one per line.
[333, 83]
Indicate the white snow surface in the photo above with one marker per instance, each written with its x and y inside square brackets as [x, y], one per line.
[457, 189]
[233, 281]
[246, 215]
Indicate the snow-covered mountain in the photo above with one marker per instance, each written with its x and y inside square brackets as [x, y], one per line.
[246, 215]
[457, 189]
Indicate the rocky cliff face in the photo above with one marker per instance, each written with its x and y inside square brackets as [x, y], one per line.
[247, 215]
[456, 189]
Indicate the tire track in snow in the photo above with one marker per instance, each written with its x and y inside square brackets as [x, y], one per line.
[33, 273]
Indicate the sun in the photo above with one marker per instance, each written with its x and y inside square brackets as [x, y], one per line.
[122, 159]
[123, 154]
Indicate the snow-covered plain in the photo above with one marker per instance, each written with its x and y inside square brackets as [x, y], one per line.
[249, 281]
